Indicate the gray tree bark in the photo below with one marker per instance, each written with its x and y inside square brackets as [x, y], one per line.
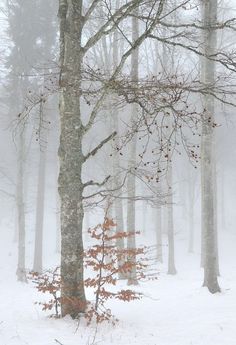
[207, 154]
[38, 245]
[158, 225]
[144, 214]
[58, 224]
[131, 226]
[21, 272]
[119, 215]
[191, 190]
[71, 156]
[70, 185]
[170, 224]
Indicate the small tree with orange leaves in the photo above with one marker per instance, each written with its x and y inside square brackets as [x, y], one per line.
[103, 258]
[48, 282]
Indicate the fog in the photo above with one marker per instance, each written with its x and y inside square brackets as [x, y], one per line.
[117, 172]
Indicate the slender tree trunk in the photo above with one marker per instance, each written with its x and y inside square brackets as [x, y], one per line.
[21, 272]
[118, 203]
[191, 187]
[71, 159]
[131, 240]
[222, 210]
[38, 247]
[131, 227]
[144, 212]
[207, 155]
[168, 64]
[170, 225]
[158, 225]
[216, 212]
[158, 210]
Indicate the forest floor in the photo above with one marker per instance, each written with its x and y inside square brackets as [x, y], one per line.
[176, 310]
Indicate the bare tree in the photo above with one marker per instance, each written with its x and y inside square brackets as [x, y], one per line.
[73, 18]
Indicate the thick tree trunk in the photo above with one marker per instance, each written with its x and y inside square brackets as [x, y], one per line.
[207, 155]
[58, 223]
[71, 159]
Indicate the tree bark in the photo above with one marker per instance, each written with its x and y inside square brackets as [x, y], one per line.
[170, 224]
[131, 227]
[158, 225]
[119, 215]
[207, 154]
[191, 187]
[71, 159]
[21, 272]
[38, 247]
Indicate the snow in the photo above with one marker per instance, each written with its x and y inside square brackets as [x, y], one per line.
[176, 310]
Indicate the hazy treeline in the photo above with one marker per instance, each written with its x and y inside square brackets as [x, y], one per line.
[125, 108]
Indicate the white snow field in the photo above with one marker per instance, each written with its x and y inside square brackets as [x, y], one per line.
[176, 310]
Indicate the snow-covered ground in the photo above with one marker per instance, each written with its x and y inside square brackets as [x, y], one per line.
[176, 310]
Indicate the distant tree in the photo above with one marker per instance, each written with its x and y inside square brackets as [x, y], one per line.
[23, 32]
[131, 181]
[47, 42]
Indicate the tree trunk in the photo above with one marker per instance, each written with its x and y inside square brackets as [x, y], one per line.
[131, 240]
[191, 187]
[119, 215]
[216, 212]
[21, 273]
[58, 224]
[38, 247]
[170, 224]
[144, 212]
[222, 210]
[207, 155]
[70, 185]
[169, 64]
[158, 225]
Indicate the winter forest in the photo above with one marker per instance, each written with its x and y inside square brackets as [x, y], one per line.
[117, 122]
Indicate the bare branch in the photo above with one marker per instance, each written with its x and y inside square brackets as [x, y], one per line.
[98, 147]
[228, 62]
[7, 193]
[119, 15]
[98, 184]
[136, 44]
[91, 9]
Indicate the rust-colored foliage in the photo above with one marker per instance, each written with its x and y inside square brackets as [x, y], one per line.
[48, 282]
[102, 258]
